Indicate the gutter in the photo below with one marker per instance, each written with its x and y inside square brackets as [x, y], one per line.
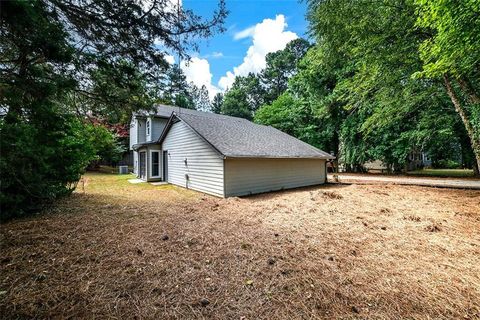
[279, 157]
[137, 146]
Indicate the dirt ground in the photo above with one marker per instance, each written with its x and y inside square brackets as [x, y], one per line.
[459, 183]
[116, 250]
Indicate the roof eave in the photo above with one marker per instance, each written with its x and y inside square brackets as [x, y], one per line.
[277, 157]
[143, 144]
[143, 116]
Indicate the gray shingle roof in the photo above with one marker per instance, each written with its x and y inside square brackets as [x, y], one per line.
[165, 111]
[239, 138]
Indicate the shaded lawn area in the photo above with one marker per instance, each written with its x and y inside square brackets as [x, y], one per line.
[120, 250]
[454, 173]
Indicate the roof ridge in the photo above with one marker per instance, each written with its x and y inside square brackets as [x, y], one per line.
[195, 112]
[216, 115]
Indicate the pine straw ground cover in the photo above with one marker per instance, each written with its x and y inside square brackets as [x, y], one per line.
[120, 251]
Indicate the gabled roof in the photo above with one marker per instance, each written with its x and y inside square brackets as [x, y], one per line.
[165, 111]
[235, 137]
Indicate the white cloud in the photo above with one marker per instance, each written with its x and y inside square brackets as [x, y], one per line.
[169, 5]
[249, 32]
[267, 36]
[173, 5]
[216, 54]
[169, 58]
[226, 81]
[197, 70]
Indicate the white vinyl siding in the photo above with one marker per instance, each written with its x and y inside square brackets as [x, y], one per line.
[250, 176]
[157, 126]
[141, 132]
[204, 165]
[133, 132]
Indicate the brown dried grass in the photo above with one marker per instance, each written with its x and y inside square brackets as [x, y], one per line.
[366, 253]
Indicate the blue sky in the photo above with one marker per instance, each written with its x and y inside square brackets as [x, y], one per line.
[254, 28]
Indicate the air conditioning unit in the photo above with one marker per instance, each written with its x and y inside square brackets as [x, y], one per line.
[123, 169]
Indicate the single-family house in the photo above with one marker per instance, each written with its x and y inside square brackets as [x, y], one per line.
[220, 155]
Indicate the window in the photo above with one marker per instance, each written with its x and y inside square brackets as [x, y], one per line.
[155, 156]
[148, 127]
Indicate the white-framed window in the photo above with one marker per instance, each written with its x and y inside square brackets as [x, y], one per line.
[155, 163]
[148, 127]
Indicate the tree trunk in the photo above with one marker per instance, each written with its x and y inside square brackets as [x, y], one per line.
[463, 115]
[336, 142]
[466, 86]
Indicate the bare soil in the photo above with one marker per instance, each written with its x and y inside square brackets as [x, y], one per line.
[120, 250]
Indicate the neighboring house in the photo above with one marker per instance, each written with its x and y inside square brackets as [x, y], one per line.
[418, 160]
[415, 160]
[221, 155]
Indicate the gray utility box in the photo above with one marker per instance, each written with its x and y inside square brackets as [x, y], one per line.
[123, 169]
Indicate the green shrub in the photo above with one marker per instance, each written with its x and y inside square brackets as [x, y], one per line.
[41, 159]
[447, 164]
[108, 149]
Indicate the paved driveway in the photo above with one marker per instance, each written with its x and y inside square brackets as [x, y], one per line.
[421, 181]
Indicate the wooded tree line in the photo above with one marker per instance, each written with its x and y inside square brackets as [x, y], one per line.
[64, 65]
[382, 78]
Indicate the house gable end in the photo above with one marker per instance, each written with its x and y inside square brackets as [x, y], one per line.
[192, 162]
[174, 119]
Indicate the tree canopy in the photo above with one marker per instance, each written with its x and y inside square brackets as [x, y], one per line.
[64, 62]
[266, 86]
[385, 78]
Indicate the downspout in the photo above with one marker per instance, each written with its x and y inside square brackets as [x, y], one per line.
[326, 171]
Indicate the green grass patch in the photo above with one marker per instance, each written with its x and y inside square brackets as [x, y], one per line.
[101, 182]
[114, 184]
[459, 173]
